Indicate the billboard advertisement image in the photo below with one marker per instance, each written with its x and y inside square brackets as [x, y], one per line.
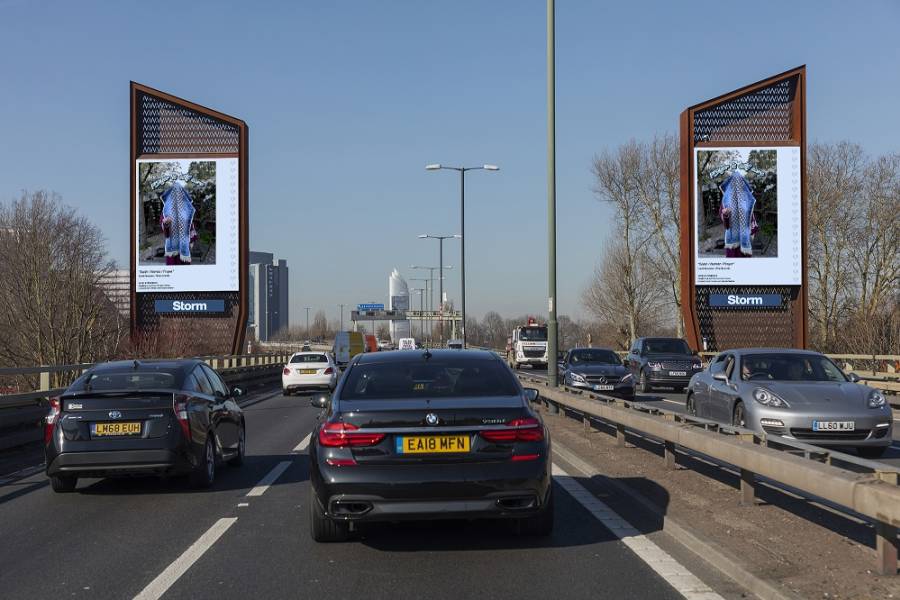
[747, 216]
[187, 225]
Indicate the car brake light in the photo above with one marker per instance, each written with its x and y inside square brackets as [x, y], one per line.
[180, 406]
[345, 435]
[340, 462]
[286, 371]
[518, 430]
[329, 371]
[51, 418]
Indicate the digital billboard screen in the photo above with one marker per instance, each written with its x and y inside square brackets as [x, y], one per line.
[747, 226]
[187, 225]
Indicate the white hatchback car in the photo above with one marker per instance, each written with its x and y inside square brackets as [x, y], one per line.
[309, 371]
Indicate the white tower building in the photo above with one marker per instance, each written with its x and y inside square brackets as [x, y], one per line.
[398, 292]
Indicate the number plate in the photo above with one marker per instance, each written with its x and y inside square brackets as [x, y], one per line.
[604, 388]
[432, 444]
[112, 429]
[307, 371]
[677, 373]
[834, 425]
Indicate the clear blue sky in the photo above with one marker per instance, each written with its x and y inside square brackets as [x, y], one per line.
[347, 101]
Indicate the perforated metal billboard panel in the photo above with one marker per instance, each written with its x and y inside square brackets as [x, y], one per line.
[762, 115]
[769, 112]
[165, 126]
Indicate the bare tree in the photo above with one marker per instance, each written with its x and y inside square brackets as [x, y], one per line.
[633, 303]
[617, 175]
[495, 331]
[320, 325]
[52, 307]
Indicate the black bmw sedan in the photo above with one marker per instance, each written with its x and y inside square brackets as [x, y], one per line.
[429, 434]
[163, 417]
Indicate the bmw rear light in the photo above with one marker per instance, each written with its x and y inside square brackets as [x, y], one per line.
[329, 371]
[517, 430]
[345, 435]
[50, 419]
[286, 371]
[181, 413]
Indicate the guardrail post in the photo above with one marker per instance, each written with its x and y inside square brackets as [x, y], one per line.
[669, 447]
[215, 364]
[748, 478]
[586, 422]
[886, 535]
[45, 381]
[620, 435]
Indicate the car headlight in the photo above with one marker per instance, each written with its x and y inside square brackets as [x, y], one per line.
[697, 366]
[876, 399]
[577, 377]
[626, 378]
[764, 396]
[655, 365]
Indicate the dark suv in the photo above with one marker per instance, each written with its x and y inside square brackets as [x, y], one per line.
[659, 361]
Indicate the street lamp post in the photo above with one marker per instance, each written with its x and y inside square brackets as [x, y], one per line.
[306, 308]
[424, 281]
[342, 315]
[552, 305]
[440, 239]
[421, 292]
[431, 271]
[462, 229]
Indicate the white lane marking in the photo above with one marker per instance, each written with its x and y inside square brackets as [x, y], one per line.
[156, 588]
[675, 574]
[269, 479]
[243, 504]
[304, 443]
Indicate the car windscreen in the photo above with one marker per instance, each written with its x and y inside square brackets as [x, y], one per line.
[309, 358]
[666, 346]
[533, 334]
[603, 357]
[123, 380]
[789, 367]
[432, 379]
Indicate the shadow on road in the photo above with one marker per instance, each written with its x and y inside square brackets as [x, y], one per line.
[574, 526]
[227, 478]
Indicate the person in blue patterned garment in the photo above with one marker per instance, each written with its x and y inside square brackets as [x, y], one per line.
[736, 213]
[177, 223]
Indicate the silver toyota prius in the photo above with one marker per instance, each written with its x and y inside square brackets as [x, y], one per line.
[797, 394]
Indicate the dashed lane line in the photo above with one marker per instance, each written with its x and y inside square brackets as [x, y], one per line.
[303, 445]
[675, 574]
[260, 488]
[159, 586]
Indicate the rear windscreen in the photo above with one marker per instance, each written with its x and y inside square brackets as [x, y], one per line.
[434, 378]
[129, 380]
[309, 358]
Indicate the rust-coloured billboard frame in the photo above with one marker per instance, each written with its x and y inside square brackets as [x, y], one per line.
[241, 300]
[797, 297]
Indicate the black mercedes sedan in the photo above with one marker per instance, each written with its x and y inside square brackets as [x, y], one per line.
[429, 434]
[597, 369]
[160, 417]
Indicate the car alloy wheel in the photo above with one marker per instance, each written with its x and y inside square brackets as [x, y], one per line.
[238, 459]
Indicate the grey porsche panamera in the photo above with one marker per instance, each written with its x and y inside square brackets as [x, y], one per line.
[797, 394]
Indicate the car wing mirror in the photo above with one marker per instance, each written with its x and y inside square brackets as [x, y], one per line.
[320, 401]
[236, 392]
[531, 394]
[720, 377]
[853, 377]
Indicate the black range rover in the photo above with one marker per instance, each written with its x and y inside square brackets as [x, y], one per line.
[663, 362]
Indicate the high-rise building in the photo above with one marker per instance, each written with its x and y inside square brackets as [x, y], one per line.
[116, 285]
[398, 299]
[268, 295]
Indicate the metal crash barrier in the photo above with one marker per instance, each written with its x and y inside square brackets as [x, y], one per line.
[21, 413]
[812, 470]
